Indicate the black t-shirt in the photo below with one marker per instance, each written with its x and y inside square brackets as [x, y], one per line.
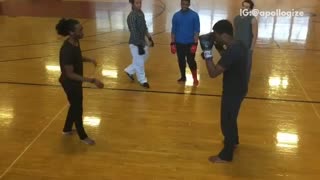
[70, 55]
[235, 63]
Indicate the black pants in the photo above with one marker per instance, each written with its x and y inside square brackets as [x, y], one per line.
[250, 53]
[184, 54]
[74, 94]
[230, 106]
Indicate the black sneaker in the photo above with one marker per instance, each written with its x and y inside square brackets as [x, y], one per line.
[145, 85]
[130, 76]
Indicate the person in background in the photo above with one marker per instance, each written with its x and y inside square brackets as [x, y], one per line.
[184, 39]
[138, 46]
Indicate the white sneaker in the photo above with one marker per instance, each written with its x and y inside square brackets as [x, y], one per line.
[88, 141]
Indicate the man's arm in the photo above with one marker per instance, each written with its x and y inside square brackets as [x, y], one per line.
[133, 27]
[254, 33]
[76, 77]
[219, 48]
[173, 37]
[150, 39]
[87, 59]
[69, 70]
[196, 37]
[173, 29]
[213, 70]
[197, 28]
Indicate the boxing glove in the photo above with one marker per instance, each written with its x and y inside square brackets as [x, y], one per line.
[206, 43]
[173, 48]
[141, 50]
[193, 48]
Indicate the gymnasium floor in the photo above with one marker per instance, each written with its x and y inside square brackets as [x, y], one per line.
[169, 130]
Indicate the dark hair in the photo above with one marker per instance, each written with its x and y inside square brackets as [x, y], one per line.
[249, 2]
[131, 1]
[65, 26]
[223, 26]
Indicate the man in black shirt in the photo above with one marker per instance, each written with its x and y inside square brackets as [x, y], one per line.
[71, 79]
[233, 64]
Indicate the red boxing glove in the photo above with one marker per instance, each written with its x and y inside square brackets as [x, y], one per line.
[193, 48]
[173, 48]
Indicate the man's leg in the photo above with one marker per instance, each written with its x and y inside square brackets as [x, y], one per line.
[138, 63]
[130, 70]
[230, 106]
[182, 62]
[192, 65]
[67, 129]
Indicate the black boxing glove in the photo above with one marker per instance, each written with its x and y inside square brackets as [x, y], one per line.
[141, 50]
[206, 43]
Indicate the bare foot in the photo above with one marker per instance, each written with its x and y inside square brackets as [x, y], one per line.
[68, 133]
[217, 159]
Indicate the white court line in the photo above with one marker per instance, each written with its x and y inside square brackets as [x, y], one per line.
[305, 92]
[308, 97]
[32, 142]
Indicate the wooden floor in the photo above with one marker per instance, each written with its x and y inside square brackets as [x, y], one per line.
[170, 130]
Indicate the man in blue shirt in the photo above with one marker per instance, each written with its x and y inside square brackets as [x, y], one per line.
[184, 39]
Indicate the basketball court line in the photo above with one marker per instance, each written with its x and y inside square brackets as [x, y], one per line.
[168, 92]
[121, 43]
[32, 142]
[305, 92]
[36, 138]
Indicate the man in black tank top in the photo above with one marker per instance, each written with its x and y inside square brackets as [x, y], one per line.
[246, 30]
